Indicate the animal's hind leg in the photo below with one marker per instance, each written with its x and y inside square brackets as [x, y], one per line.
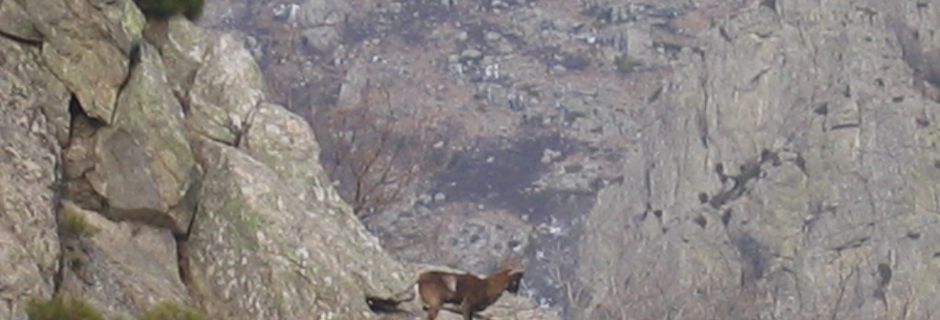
[432, 311]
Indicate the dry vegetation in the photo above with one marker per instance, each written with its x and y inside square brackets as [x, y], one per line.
[72, 307]
[377, 152]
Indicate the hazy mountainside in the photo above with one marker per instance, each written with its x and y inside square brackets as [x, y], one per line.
[142, 163]
[657, 159]
[654, 159]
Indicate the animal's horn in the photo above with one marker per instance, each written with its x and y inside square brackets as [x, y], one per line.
[514, 264]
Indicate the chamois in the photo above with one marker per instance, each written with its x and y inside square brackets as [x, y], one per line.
[470, 293]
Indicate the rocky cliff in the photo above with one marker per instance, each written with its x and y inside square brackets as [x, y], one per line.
[787, 171]
[659, 159]
[666, 159]
[142, 162]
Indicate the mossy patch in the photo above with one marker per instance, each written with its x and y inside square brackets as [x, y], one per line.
[62, 307]
[66, 307]
[133, 22]
[74, 224]
[247, 225]
[932, 137]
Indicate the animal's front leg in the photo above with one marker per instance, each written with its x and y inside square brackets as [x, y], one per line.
[467, 310]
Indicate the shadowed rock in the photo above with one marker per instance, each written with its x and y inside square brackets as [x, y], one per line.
[80, 47]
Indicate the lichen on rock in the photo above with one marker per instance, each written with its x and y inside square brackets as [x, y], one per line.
[144, 161]
[227, 87]
[32, 102]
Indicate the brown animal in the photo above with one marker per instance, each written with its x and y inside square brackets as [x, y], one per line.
[468, 292]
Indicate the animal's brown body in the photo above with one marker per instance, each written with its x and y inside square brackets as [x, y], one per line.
[468, 292]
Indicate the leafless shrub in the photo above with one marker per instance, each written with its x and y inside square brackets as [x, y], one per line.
[376, 152]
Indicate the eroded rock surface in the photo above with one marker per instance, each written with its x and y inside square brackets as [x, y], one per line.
[227, 88]
[183, 47]
[269, 258]
[86, 45]
[31, 100]
[144, 162]
[285, 142]
[15, 22]
[123, 268]
[805, 186]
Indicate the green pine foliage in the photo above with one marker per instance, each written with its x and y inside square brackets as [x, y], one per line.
[164, 9]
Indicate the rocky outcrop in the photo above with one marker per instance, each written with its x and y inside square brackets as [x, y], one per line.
[123, 268]
[226, 90]
[15, 22]
[320, 20]
[254, 248]
[244, 268]
[805, 184]
[183, 47]
[32, 103]
[143, 163]
[86, 44]
[146, 167]
[283, 141]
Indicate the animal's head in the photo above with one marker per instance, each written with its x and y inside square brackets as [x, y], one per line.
[515, 280]
[511, 272]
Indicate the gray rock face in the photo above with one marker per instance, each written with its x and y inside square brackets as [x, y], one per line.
[258, 252]
[322, 21]
[15, 22]
[122, 268]
[182, 46]
[804, 186]
[22, 279]
[321, 38]
[227, 88]
[144, 162]
[30, 101]
[70, 28]
[284, 141]
[109, 67]
[46, 99]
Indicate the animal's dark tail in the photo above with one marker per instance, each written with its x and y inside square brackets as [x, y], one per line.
[382, 305]
[390, 305]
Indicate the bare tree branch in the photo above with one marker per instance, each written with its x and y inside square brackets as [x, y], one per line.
[377, 153]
